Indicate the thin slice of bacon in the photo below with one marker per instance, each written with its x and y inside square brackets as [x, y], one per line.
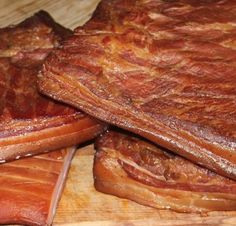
[31, 123]
[129, 167]
[31, 187]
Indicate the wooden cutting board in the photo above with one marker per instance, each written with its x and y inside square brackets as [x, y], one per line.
[80, 204]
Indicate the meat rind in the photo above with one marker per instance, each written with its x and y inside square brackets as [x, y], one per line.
[132, 168]
[163, 70]
[31, 123]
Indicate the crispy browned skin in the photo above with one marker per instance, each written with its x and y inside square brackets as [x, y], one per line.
[135, 169]
[165, 70]
[31, 187]
[31, 123]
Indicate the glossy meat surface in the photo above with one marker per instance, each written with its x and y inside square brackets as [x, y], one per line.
[129, 167]
[31, 123]
[162, 69]
[31, 187]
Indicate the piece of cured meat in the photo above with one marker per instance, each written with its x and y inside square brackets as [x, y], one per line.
[162, 69]
[129, 167]
[31, 187]
[31, 123]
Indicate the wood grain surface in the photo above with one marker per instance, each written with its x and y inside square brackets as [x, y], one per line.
[80, 203]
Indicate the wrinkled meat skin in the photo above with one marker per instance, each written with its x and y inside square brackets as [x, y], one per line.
[32, 123]
[31, 187]
[163, 70]
[33, 37]
[124, 165]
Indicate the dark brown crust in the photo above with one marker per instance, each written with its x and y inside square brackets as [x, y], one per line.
[32, 123]
[31, 188]
[38, 32]
[163, 70]
[124, 165]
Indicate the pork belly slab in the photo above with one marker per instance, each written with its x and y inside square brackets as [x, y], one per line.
[31, 123]
[132, 168]
[164, 70]
[31, 187]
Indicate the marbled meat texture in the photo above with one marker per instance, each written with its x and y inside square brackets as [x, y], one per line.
[132, 168]
[163, 69]
[30, 122]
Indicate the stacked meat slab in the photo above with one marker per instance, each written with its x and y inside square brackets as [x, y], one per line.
[164, 71]
[33, 124]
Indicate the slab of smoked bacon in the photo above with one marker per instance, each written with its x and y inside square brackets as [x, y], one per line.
[31, 123]
[31, 187]
[135, 169]
[162, 69]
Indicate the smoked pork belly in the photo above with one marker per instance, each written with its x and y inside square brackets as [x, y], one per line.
[162, 69]
[135, 169]
[31, 187]
[31, 123]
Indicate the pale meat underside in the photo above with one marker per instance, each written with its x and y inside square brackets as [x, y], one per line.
[31, 187]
